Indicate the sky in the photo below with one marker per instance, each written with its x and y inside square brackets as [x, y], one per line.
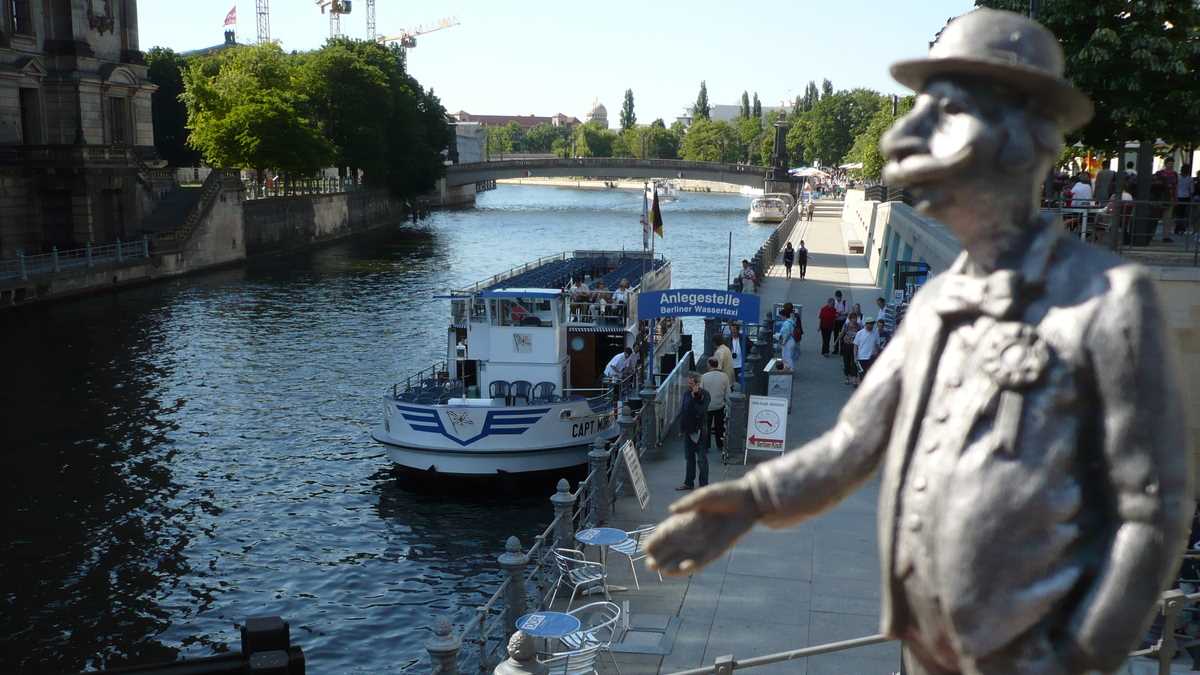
[541, 58]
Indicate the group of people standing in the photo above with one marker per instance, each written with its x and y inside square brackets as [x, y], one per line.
[847, 333]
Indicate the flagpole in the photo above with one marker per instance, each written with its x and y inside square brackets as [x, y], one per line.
[653, 323]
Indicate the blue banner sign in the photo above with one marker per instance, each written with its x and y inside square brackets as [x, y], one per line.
[705, 302]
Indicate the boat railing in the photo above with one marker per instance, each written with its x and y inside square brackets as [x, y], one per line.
[592, 312]
[433, 381]
[520, 269]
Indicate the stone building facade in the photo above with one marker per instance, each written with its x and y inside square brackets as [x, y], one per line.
[75, 124]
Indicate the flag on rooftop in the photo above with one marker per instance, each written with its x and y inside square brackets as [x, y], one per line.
[656, 215]
[231, 17]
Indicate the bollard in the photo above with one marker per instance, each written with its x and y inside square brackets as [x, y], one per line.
[54, 256]
[443, 648]
[119, 250]
[756, 382]
[522, 657]
[598, 486]
[735, 429]
[649, 420]
[146, 246]
[88, 248]
[513, 562]
[21, 264]
[564, 514]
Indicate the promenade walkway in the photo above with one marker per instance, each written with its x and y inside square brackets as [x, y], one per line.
[776, 589]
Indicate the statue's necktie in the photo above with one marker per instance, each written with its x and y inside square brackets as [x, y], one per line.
[994, 295]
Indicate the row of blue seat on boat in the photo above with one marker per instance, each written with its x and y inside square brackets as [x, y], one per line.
[559, 273]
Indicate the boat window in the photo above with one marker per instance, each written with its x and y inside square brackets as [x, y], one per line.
[458, 310]
[478, 310]
[522, 312]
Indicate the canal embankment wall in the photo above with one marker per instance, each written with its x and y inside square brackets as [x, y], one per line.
[225, 230]
[894, 232]
[287, 223]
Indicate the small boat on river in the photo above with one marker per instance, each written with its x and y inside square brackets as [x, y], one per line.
[523, 386]
[772, 207]
[667, 191]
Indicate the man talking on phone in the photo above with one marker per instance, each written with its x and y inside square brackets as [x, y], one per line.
[692, 416]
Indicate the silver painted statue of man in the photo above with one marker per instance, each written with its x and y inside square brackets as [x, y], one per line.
[1035, 495]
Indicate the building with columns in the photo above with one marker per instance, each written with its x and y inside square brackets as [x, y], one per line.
[75, 124]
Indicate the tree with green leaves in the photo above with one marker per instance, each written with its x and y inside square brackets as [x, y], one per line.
[709, 141]
[1137, 62]
[750, 132]
[593, 140]
[541, 137]
[243, 113]
[165, 69]
[702, 111]
[499, 142]
[810, 98]
[744, 110]
[866, 143]
[628, 118]
[828, 131]
[826, 88]
[756, 108]
[658, 122]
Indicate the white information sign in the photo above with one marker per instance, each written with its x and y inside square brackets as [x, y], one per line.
[634, 464]
[766, 425]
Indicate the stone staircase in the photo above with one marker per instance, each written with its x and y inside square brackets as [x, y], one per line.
[827, 208]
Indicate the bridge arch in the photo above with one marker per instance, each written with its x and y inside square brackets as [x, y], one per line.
[606, 167]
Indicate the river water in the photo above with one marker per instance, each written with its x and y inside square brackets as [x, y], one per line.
[180, 456]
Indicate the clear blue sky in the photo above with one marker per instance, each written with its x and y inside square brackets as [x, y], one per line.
[518, 58]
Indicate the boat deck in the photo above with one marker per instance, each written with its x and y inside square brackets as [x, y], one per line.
[609, 267]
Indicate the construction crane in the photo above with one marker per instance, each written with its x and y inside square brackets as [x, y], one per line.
[371, 34]
[336, 9]
[263, 12]
[408, 38]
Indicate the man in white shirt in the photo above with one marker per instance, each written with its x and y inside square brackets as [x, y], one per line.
[716, 383]
[619, 364]
[866, 344]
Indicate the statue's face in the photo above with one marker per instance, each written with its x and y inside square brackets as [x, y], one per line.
[936, 140]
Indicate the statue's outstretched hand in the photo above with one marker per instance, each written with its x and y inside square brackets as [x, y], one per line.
[705, 523]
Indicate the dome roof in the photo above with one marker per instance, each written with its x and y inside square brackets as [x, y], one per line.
[599, 110]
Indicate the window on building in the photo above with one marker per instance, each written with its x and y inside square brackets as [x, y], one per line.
[19, 11]
[118, 120]
[31, 117]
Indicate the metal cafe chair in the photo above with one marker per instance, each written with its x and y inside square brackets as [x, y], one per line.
[606, 629]
[579, 573]
[634, 548]
[577, 662]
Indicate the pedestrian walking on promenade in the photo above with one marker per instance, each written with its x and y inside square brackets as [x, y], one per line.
[827, 317]
[749, 278]
[842, 312]
[693, 414]
[789, 257]
[802, 258]
[716, 384]
[845, 340]
[866, 344]
[788, 335]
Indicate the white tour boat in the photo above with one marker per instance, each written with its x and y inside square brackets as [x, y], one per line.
[667, 191]
[772, 207]
[522, 388]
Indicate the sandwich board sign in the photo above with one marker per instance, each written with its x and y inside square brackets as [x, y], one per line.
[634, 465]
[766, 425]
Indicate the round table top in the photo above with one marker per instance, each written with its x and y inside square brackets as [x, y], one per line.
[548, 624]
[601, 536]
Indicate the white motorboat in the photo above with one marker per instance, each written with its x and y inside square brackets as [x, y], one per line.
[769, 208]
[667, 190]
[522, 388]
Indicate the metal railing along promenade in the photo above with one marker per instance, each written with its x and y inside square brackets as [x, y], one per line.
[1129, 227]
[117, 253]
[300, 187]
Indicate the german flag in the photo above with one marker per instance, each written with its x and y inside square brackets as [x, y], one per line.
[656, 215]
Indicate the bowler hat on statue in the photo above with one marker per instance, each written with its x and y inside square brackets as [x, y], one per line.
[1008, 48]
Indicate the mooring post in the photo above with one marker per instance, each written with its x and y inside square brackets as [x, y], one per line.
[443, 648]
[735, 432]
[598, 486]
[564, 515]
[522, 657]
[88, 248]
[54, 256]
[513, 562]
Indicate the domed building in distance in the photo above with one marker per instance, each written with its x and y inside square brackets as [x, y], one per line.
[598, 113]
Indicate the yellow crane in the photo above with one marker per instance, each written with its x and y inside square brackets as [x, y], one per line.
[408, 38]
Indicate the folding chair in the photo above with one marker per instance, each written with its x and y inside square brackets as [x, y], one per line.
[577, 572]
[634, 548]
[602, 628]
[578, 662]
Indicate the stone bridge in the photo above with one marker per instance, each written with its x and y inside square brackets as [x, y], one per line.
[606, 167]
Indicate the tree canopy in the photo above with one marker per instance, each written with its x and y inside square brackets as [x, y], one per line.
[628, 118]
[1136, 60]
[756, 109]
[350, 104]
[701, 110]
[165, 69]
[709, 141]
[744, 110]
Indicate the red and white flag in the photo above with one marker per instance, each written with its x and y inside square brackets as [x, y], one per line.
[231, 17]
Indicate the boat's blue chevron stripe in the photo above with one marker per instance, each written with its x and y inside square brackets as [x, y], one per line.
[497, 422]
